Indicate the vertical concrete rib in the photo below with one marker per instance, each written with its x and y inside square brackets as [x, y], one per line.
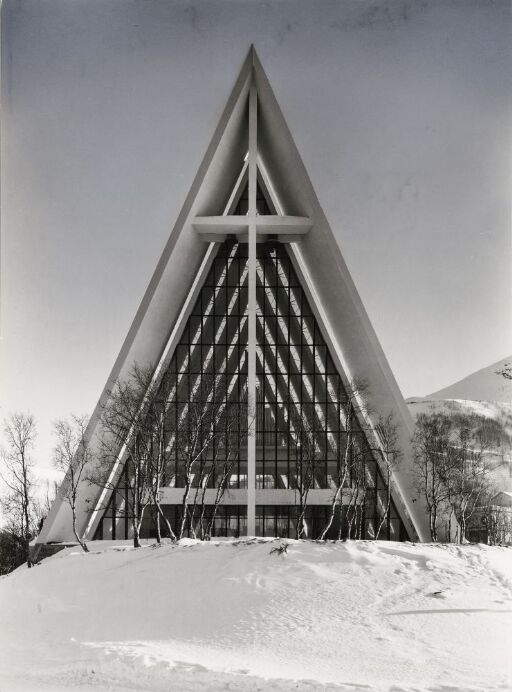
[251, 316]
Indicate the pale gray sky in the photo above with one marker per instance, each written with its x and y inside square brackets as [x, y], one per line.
[401, 112]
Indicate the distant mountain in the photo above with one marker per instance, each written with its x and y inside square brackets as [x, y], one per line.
[484, 393]
[482, 385]
[487, 395]
[500, 455]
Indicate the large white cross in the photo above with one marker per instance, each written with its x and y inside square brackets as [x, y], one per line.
[251, 228]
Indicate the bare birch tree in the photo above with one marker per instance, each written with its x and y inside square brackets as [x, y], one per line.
[17, 475]
[204, 422]
[305, 433]
[222, 455]
[466, 471]
[358, 490]
[72, 455]
[225, 457]
[431, 445]
[125, 442]
[353, 406]
[497, 521]
[147, 423]
[387, 431]
[155, 427]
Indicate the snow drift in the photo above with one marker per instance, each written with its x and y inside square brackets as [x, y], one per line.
[230, 615]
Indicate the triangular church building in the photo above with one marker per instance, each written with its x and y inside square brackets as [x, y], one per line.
[252, 319]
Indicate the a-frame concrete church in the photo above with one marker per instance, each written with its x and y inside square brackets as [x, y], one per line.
[252, 319]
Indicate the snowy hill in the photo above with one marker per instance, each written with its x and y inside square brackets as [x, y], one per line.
[486, 394]
[228, 615]
[499, 456]
[498, 411]
[483, 385]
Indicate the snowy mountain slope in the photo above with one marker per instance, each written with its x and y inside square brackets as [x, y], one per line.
[228, 615]
[482, 385]
[499, 411]
[500, 456]
[486, 394]
[483, 393]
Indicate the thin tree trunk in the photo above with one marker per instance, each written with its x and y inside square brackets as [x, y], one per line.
[191, 521]
[337, 495]
[433, 524]
[26, 501]
[192, 515]
[184, 505]
[388, 503]
[205, 536]
[300, 521]
[136, 535]
[80, 541]
[349, 515]
[303, 507]
[340, 525]
[160, 512]
[202, 527]
[166, 521]
[157, 525]
[360, 516]
[137, 523]
[218, 497]
[332, 513]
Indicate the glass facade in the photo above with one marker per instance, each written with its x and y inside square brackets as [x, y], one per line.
[309, 437]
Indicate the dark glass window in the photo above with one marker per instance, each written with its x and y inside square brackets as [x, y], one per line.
[303, 436]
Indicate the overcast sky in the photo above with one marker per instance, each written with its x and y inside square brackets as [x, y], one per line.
[400, 110]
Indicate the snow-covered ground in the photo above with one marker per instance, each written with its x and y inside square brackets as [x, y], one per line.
[229, 615]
